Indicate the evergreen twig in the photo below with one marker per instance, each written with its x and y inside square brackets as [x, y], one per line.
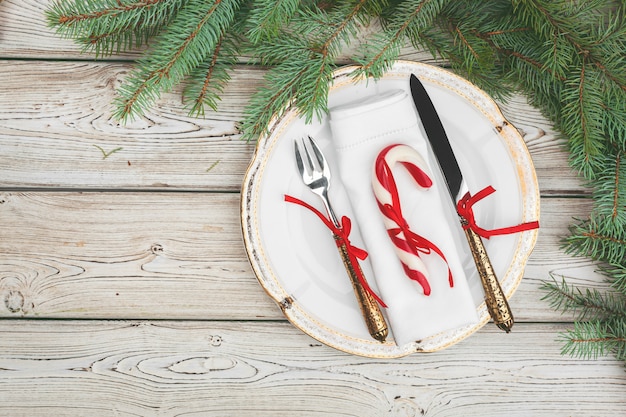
[191, 37]
[590, 304]
[111, 26]
[304, 58]
[591, 339]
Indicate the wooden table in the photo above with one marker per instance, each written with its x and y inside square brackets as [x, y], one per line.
[125, 288]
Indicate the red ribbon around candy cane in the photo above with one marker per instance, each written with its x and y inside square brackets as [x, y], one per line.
[408, 244]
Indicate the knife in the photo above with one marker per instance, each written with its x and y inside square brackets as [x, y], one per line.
[496, 301]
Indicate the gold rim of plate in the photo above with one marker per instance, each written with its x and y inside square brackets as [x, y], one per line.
[510, 137]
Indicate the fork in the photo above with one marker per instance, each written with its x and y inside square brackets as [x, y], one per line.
[315, 174]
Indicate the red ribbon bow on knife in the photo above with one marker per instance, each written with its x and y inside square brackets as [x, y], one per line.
[465, 210]
[341, 235]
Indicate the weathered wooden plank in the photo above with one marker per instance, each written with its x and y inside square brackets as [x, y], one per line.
[126, 255]
[56, 129]
[547, 147]
[180, 255]
[260, 369]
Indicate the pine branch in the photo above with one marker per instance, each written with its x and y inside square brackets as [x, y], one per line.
[593, 339]
[109, 26]
[191, 37]
[590, 304]
[305, 58]
[406, 20]
[609, 188]
[269, 18]
[599, 239]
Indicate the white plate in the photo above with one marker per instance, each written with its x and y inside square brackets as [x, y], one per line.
[292, 253]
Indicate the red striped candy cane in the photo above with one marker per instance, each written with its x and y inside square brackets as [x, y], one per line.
[408, 244]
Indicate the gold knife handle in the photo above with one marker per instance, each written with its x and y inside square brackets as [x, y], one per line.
[496, 301]
[374, 319]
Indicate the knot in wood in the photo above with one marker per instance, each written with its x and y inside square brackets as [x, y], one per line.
[14, 301]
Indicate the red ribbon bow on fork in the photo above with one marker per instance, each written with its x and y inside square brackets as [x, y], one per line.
[342, 236]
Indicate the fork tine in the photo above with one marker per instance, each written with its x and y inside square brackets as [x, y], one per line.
[305, 167]
[307, 154]
[318, 155]
[296, 150]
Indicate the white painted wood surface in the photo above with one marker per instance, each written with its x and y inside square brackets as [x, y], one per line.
[125, 288]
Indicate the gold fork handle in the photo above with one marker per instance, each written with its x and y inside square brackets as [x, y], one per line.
[374, 319]
[496, 301]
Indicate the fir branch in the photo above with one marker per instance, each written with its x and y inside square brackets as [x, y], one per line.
[599, 239]
[582, 116]
[71, 13]
[548, 19]
[596, 338]
[600, 328]
[305, 61]
[590, 304]
[461, 41]
[190, 38]
[609, 190]
[407, 20]
[616, 275]
[208, 80]
[269, 102]
[615, 117]
[269, 18]
[109, 26]
[608, 43]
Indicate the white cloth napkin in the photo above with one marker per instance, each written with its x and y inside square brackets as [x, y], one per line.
[360, 131]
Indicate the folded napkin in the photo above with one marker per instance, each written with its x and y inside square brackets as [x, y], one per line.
[361, 130]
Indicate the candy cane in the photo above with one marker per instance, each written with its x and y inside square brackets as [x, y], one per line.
[408, 244]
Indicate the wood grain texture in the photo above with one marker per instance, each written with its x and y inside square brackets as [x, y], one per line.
[271, 369]
[126, 255]
[180, 255]
[56, 130]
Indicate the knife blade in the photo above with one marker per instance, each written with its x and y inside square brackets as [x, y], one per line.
[496, 301]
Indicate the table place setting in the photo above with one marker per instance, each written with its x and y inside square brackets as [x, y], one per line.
[401, 222]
